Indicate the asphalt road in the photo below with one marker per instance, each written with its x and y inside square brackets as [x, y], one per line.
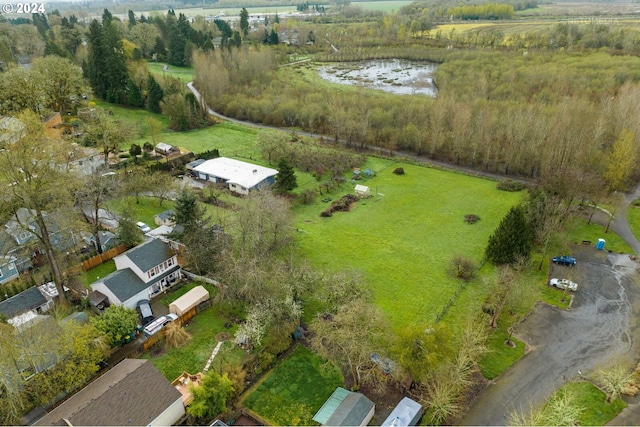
[600, 327]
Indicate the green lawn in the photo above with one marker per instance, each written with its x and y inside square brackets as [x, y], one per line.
[143, 211]
[597, 412]
[402, 240]
[579, 231]
[168, 299]
[294, 391]
[98, 272]
[194, 355]
[184, 74]
[633, 217]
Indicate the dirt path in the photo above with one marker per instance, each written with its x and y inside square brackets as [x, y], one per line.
[563, 345]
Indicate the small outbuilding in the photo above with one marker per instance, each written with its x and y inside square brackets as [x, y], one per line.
[362, 191]
[406, 413]
[165, 149]
[189, 300]
[345, 408]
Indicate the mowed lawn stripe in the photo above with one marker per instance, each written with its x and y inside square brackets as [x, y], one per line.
[402, 241]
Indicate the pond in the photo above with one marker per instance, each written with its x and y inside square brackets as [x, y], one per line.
[397, 76]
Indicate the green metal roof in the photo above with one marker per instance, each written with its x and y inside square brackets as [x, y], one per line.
[330, 406]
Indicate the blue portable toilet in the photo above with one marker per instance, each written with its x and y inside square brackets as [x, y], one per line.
[600, 244]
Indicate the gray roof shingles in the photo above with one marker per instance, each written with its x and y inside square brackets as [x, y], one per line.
[22, 302]
[125, 283]
[133, 393]
[149, 254]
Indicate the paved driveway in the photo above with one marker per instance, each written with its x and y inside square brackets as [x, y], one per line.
[599, 328]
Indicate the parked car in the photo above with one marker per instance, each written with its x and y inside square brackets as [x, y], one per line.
[564, 260]
[159, 323]
[144, 310]
[143, 227]
[563, 284]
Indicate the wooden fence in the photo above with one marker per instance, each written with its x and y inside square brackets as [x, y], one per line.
[182, 320]
[105, 256]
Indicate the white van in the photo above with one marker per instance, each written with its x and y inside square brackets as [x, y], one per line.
[159, 323]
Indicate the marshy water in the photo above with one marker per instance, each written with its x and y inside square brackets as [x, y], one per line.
[397, 76]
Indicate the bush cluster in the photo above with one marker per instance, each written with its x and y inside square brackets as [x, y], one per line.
[343, 204]
[511, 185]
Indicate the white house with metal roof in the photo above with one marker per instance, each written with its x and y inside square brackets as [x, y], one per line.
[241, 177]
[142, 272]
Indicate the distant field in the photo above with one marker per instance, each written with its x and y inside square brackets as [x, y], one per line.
[384, 5]
[522, 27]
[226, 11]
[185, 74]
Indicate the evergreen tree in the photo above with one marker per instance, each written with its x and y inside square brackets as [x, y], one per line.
[188, 213]
[106, 66]
[286, 178]
[512, 239]
[244, 21]
[273, 37]
[132, 19]
[160, 49]
[154, 95]
[134, 95]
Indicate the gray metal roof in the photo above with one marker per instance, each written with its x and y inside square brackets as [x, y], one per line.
[344, 408]
[149, 254]
[24, 301]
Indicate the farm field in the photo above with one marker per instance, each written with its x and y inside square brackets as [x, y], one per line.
[402, 240]
[386, 6]
[294, 391]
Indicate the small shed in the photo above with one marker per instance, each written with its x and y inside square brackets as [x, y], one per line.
[406, 413]
[164, 148]
[189, 300]
[362, 191]
[345, 408]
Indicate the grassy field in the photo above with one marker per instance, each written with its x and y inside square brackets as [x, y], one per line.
[633, 217]
[580, 231]
[403, 236]
[597, 412]
[387, 6]
[143, 211]
[184, 74]
[294, 391]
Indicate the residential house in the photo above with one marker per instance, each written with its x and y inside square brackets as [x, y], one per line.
[241, 177]
[25, 306]
[345, 408]
[108, 240]
[8, 269]
[164, 218]
[132, 393]
[142, 272]
[17, 238]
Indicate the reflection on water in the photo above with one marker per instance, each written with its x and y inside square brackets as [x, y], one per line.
[397, 76]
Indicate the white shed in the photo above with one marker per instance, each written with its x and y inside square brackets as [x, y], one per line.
[362, 191]
[189, 300]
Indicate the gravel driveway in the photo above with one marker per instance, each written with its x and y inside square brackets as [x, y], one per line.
[599, 328]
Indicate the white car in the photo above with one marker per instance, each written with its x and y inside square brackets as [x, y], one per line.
[143, 227]
[563, 284]
[158, 324]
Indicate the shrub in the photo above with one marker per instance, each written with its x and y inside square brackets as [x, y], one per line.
[124, 155]
[511, 185]
[471, 218]
[308, 196]
[462, 267]
[399, 171]
[175, 335]
[343, 204]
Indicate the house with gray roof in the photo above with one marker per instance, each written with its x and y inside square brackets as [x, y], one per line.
[345, 408]
[132, 393]
[241, 177]
[142, 272]
[25, 306]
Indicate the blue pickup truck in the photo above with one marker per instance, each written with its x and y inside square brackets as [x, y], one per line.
[564, 260]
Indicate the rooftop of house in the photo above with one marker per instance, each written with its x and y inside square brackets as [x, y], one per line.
[29, 299]
[236, 171]
[133, 393]
[149, 254]
[166, 215]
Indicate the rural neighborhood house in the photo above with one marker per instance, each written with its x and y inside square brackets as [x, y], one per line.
[241, 177]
